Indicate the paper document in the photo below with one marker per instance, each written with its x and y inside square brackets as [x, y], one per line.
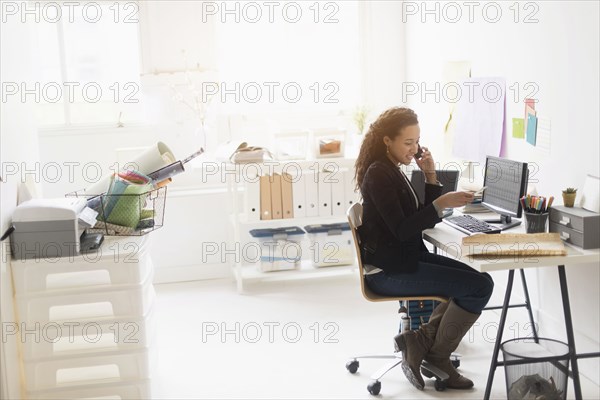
[480, 119]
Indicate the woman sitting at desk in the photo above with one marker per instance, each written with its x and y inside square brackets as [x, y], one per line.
[391, 239]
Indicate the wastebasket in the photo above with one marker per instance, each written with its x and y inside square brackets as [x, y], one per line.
[536, 369]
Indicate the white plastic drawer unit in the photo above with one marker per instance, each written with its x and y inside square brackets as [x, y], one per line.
[86, 369]
[110, 302]
[118, 261]
[141, 389]
[96, 335]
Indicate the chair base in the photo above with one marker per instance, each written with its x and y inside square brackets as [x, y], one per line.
[374, 387]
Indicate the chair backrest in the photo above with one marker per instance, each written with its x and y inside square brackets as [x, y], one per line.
[354, 214]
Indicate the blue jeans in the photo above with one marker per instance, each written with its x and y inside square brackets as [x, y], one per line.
[441, 276]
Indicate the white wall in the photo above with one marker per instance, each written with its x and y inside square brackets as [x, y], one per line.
[18, 147]
[559, 54]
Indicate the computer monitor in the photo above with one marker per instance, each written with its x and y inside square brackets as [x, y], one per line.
[506, 183]
[448, 178]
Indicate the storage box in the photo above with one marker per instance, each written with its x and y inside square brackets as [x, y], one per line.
[576, 226]
[331, 244]
[280, 248]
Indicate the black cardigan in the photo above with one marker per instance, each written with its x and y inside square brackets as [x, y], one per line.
[392, 226]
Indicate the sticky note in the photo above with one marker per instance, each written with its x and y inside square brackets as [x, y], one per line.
[529, 103]
[518, 130]
[531, 129]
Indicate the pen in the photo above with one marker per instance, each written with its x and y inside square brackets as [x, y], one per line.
[550, 201]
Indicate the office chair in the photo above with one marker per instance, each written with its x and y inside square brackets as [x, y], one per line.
[354, 215]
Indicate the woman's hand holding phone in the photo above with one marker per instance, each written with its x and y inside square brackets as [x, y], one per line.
[424, 160]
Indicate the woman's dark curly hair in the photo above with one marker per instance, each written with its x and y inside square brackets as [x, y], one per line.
[389, 123]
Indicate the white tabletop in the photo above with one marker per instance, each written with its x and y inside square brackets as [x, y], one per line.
[448, 240]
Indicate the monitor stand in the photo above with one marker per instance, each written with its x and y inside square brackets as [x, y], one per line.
[505, 221]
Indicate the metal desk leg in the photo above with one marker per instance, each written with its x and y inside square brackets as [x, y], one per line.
[562, 276]
[494, 364]
[528, 306]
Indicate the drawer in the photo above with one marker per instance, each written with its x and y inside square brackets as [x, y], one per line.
[576, 218]
[575, 237]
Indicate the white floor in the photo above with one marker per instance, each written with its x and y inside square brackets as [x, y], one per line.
[292, 340]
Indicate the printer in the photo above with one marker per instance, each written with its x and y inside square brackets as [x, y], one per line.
[51, 228]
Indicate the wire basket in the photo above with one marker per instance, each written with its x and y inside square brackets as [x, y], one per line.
[126, 214]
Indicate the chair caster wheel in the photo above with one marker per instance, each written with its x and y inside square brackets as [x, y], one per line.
[439, 385]
[352, 366]
[374, 388]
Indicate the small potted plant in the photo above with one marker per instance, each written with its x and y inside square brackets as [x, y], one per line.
[569, 195]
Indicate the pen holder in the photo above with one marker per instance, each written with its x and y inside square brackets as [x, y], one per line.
[535, 223]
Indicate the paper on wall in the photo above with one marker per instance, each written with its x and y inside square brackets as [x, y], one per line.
[590, 197]
[479, 117]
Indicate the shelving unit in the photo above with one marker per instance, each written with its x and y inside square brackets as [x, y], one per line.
[245, 271]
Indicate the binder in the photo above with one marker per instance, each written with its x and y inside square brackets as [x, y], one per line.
[351, 196]
[325, 209]
[287, 202]
[265, 197]
[299, 195]
[276, 207]
[252, 201]
[311, 190]
[338, 194]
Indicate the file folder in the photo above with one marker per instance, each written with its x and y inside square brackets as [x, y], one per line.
[265, 198]
[252, 201]
[338, 194]
[312, 193]
[351, 196]
[299, 195]
[325, 179]
[276, 206]
[287, 202]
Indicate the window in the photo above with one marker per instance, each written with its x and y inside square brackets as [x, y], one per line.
[87, 61]
[291, 57]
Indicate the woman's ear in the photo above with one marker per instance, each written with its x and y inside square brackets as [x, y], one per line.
[387, 141]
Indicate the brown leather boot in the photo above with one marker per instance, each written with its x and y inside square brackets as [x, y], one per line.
[414, 345]
[455, 323]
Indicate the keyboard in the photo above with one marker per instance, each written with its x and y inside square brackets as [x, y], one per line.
[470, 225]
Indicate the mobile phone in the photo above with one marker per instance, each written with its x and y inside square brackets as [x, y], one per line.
[419, 153]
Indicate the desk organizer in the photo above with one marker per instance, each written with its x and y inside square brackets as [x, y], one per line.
[576, 226]
[127, 214]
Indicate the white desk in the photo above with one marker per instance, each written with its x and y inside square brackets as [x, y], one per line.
[449, 240]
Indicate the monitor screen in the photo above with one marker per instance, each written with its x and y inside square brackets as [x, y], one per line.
[506, 183]
[448, 178]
